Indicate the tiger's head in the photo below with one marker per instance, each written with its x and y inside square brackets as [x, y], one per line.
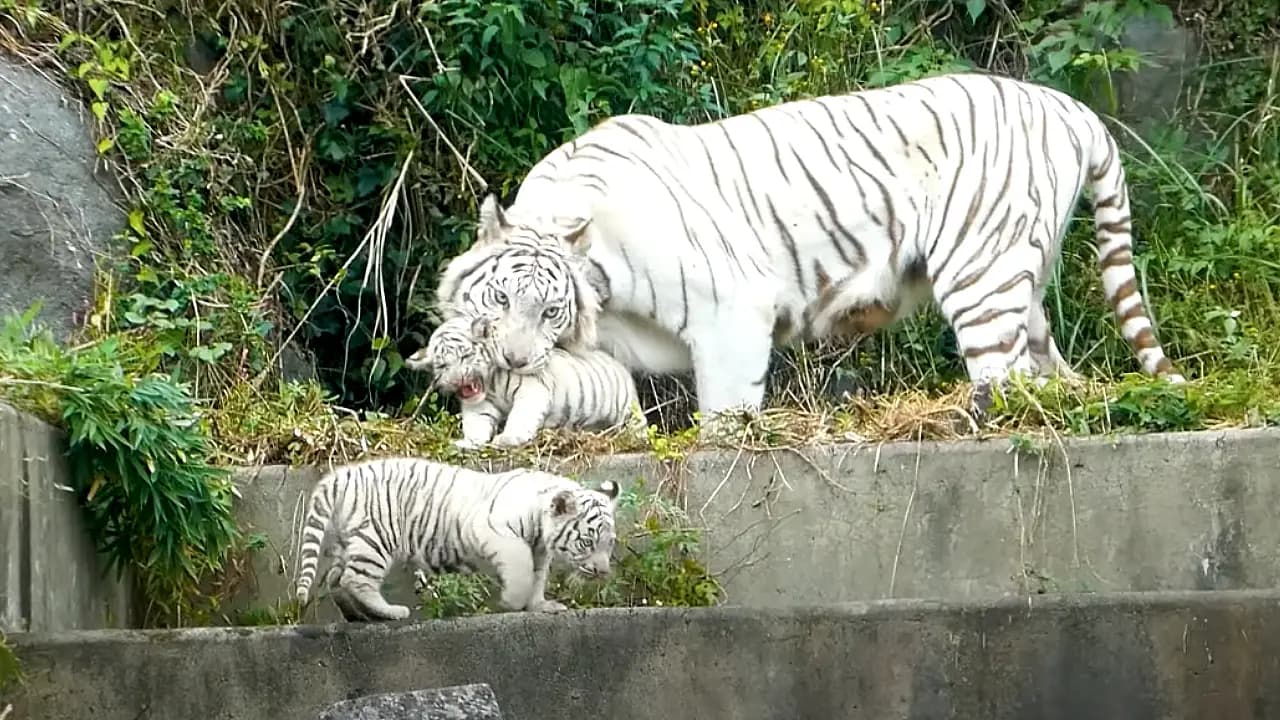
[529, 279]
[458, 356]
[582, 528]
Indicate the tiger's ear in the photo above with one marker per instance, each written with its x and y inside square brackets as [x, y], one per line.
[609, 488]
[576, 235]
[564, 504]
[492, 226]
[581, 336]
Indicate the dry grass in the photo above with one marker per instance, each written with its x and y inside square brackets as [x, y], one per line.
[293, 424]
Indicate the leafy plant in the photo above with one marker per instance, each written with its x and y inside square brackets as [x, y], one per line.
[10, 669]
[153, 503]
[656, 563]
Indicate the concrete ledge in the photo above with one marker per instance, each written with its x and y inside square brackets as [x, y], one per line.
[1171, 656]
[51, 577]
[969, 519]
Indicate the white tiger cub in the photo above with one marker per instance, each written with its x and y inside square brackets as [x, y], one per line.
[833, 216]
[584, 390]
[371, 515]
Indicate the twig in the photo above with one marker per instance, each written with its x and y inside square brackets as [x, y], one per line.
[40, 383]
[906, 515]
[728, 473]
[299, 173]
[484, 186]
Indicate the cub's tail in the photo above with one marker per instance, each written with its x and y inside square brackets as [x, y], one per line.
[314, 528]
[1114, 236]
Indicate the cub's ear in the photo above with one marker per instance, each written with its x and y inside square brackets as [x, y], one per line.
[564, 504]
[609, 488]
[480, 327]
[420, 360]
[492, 226]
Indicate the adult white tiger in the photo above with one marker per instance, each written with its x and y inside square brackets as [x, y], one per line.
[824, 217]
[374, 514]
[584, 390]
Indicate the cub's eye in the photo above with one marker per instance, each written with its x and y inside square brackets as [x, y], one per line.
[551, 313]
[500, 297]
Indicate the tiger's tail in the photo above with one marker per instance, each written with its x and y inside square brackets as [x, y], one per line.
[315, 527]
[1113, 232]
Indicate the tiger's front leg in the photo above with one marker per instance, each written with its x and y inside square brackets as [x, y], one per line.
[529, 410]
[731, 356]
[478, 422]
[538, 597]
[513, 562]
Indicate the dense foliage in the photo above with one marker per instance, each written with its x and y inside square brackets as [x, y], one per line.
[301, 170]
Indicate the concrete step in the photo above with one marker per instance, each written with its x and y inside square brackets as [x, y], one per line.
[1168, 655]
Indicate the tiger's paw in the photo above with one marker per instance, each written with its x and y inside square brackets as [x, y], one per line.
[508, 440]
[466, 444]
[548, 606]
[724, 429]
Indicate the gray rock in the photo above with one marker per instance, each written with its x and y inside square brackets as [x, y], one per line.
[457, 702]
[57, 211]
[1150, 94]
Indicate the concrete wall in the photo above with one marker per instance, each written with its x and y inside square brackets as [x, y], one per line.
[50, 575]
[1189, 656]
[1183, 511]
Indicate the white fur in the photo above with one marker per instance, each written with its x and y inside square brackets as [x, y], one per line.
[587, 390]
[437, 517]
[956, 189]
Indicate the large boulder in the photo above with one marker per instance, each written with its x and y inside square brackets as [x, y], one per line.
[1150, 95]
[57, 207]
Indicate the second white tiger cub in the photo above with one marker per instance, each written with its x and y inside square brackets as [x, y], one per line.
[371, 515]
[587, 390]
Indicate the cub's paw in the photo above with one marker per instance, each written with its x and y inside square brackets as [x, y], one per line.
[397, 612]
[465, 444]
[506, 440]
[548, 606]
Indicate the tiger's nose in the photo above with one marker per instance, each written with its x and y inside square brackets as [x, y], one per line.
[515, 362]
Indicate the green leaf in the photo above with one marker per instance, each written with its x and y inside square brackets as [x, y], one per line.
[99, 110]
[975, 8]
[1060, 58]
[137, 221]
[534, 58]
[105, 145]
[99, 87]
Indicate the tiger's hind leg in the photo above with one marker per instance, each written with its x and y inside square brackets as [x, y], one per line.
[1046, 360]
[361, 586]
[991, 317]
[351, 610]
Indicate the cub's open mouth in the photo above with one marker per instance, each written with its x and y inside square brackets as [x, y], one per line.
[470, 389]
